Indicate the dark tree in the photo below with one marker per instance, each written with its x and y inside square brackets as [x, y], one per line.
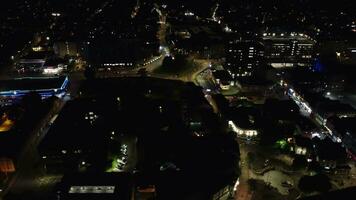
[32, 101]
[89, 73]
[319, 183]
[299, 163]
[142, 72]
[174, 64]
[252, 183]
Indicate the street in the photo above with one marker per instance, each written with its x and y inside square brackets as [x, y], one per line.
[28, 165]
[243, 192]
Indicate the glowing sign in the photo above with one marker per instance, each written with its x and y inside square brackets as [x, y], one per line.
[92, 189]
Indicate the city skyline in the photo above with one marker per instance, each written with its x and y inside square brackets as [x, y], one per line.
[174, 99]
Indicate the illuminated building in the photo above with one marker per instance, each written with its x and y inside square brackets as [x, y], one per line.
[345, 128]
[329, 154]
[40, 61]
[33, 62]
[288, 50]
[13, 90]
[243, 132]
[302, 146]
[223, 79]
[96, 186]
[5, 123]
[54, 66]
[63, 49]
[243, 57]
[111, 54]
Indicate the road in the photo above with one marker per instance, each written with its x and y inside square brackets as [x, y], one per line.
[28, 171]
[307, 111]
[29, 158]
[29, 175]
[205, 80]
[243, 192]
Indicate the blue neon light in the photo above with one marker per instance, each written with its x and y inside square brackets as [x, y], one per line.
[318, 66]
[42, 92]
[65, 83]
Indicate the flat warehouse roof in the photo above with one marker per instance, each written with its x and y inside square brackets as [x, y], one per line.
[32, 84]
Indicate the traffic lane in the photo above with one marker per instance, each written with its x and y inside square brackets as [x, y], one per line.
[242, 193]
[29, 157]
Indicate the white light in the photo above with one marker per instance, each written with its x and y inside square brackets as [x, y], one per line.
[237, 183]
[91, 189]
[52, 70]
[189, 14]
[338, 140]
[56, 14]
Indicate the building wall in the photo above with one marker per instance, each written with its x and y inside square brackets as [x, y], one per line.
[288, 50]
[66, 48]
[243, 57]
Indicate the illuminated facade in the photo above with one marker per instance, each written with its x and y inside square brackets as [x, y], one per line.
[223, 79]
[245, 133]
[288, 50]
[243, 57]
[13, 90]
[63, 49]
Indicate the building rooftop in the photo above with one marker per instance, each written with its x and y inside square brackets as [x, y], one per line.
[286, 37]
[246, 117]
[335, 194]
[329, 150]
[303, 142]
[330, 106]
[346, 125]
[306, 124]
[32, 84]
[94, 119]
[96, 186]
[222, 75]
[33, 55]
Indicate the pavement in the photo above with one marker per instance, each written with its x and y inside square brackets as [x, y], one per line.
[243, 191]
[275, 178]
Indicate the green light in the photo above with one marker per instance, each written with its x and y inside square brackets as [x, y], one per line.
[282, 144]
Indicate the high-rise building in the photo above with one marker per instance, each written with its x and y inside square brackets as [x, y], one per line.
[243, 57]
[288, 50]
